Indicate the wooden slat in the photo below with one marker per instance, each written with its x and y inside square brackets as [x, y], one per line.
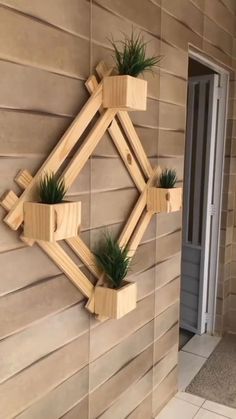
[89, 144]
[101, 69]
[137, 212]
[141, 228]
[23, 178]
[85, 254]
[27, 240]
[121, 144]
[64, 262]
[135, 142]
[130, 131]
[76, 243]
[8, 200]
[126, 156]
[58, 155]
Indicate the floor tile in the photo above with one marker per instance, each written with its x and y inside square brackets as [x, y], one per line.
[177, 409]
[189, 365]
[202, 345]
[190, 398]
[220, 409]
[205, 414]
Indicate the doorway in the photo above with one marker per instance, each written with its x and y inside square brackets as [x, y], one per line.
[203, 178]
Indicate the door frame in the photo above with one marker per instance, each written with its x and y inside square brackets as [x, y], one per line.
[215, 237]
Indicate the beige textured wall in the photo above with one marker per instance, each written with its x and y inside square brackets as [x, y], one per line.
[56, 361]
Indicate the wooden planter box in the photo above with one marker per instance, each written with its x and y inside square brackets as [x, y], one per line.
[51, 222]
[125, 93]
[164, 200]
[115, 303]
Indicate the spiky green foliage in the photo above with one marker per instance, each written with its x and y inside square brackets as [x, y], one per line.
[131, 58]
[168, 179]
[113, 260]
[51, 190]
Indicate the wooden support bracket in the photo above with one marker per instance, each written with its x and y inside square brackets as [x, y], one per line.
[23, 179]
[8, 200]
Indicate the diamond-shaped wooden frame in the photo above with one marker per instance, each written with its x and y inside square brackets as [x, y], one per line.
[130, 150]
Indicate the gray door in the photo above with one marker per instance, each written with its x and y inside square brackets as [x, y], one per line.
[198, 208]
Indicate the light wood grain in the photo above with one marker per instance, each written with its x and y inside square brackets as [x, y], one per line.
[51, 222]
[80, 158]
[137, 212]
[125, 93]
[8, 200]
[23, 178]
[115, 303]
[85, 254]
[65, 263]
[130, 131]
[57, 156]
[140, 230]
[117, 135]
[135, 143]
[127, 157]
[164, 200]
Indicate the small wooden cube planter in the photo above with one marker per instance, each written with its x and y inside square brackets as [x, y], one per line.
[51, 222]
[125, 93]
[164, 200]
[115, 303]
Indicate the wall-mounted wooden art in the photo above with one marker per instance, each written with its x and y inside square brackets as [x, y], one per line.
[131, 152]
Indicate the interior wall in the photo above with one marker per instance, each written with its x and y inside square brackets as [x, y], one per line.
[56, 360]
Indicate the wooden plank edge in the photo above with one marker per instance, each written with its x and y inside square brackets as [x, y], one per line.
[8, 200]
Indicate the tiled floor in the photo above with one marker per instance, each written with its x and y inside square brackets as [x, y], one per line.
[192, 357]
[185, 405]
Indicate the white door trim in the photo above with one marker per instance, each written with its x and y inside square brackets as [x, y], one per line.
[216, 222]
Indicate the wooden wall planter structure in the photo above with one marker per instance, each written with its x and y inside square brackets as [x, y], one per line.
[131, 152]
[164, 200]
[52, 222]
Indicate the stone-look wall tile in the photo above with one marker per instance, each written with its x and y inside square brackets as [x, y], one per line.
[18, 30]
[174, 60]
[165, 391]
[150, 20]
[74, 19]
[177, 33]
[187, 14]
[220, 13]
[172, 89]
